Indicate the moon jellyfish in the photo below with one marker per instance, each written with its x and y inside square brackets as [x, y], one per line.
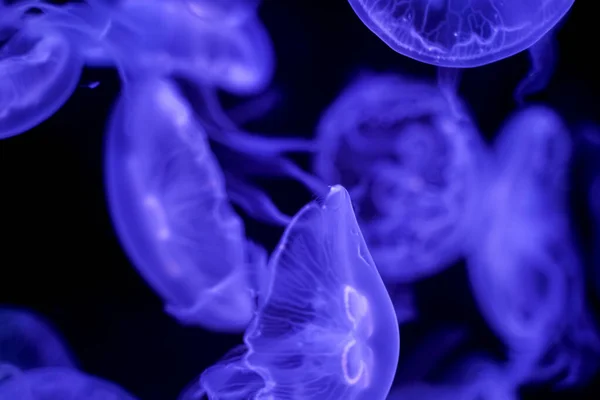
[39, 71]
[169, 206]
[523, 268]
[56, 384]
[28, 341]
[411, 166]
[238, 58]
[325, 327]
[460, 34]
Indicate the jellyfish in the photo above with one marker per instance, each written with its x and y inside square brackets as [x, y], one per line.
[457, 34]
[56, 383]
[39, 70]
[238, 58]
[28, 341]
[325, 327]
[169, 205]
[412, 167]
[523, 267]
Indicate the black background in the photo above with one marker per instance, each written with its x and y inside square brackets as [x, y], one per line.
[60, 257]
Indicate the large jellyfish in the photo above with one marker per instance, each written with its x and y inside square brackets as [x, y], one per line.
[56, 384]
[236, 57]
[39, 69]
[524, 270]
[28, 341]
[170, 208]
[456, 33]
[412, 167]
[325, 328]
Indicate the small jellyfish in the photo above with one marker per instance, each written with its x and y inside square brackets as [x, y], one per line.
[523, 267]
[28, 341]
[171, 211]
[39, 71]
[238, 58]
[325, 327]
[412, 167]
[460, 34]
[56, 384]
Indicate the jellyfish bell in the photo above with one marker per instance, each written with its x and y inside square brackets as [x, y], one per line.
[412, 167]
[325, 326]
[28, 341]
[451, 34]
[170, 209]
[326, 318]
[40, 71]
[523, 267]
[238, 58]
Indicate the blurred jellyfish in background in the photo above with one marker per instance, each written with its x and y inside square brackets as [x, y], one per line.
[412, 169]
[28, 341]
[169, 205]
[237, 58]
[523, 267]
[39, 69]
[473, 378]
[325, 327]
[228, 12]
[56, 384]
[458, 35]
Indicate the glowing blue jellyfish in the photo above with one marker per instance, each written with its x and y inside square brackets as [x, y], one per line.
[325, 327]
[411, 166]
[524, 270]
[39, 70]
[171, 211]
[28, 341]
[56, 384]
[460, 34]
[237, 58]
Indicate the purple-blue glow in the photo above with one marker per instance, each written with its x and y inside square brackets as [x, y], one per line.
[411, 167]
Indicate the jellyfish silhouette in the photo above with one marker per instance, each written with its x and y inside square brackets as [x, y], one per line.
[56, 384]
[523, 267]
[28, 341]
[325, 327]
[238, 58]
[169, 205]
[39, 67]
[411, 166]
[457, 34]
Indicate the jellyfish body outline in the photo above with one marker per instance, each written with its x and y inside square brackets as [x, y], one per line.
[459, 35]
[403, 203]
[160, 219]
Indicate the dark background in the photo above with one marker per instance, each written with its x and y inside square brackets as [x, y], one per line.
[60, 256]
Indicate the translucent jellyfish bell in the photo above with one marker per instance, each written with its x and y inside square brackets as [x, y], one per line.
[230, 12]
[39, 70]
[458, 34]
[523, 267]
[238, 58]
[412, 167]
[169, 206]
[28, 341]
[56, 384]
[325, 327]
